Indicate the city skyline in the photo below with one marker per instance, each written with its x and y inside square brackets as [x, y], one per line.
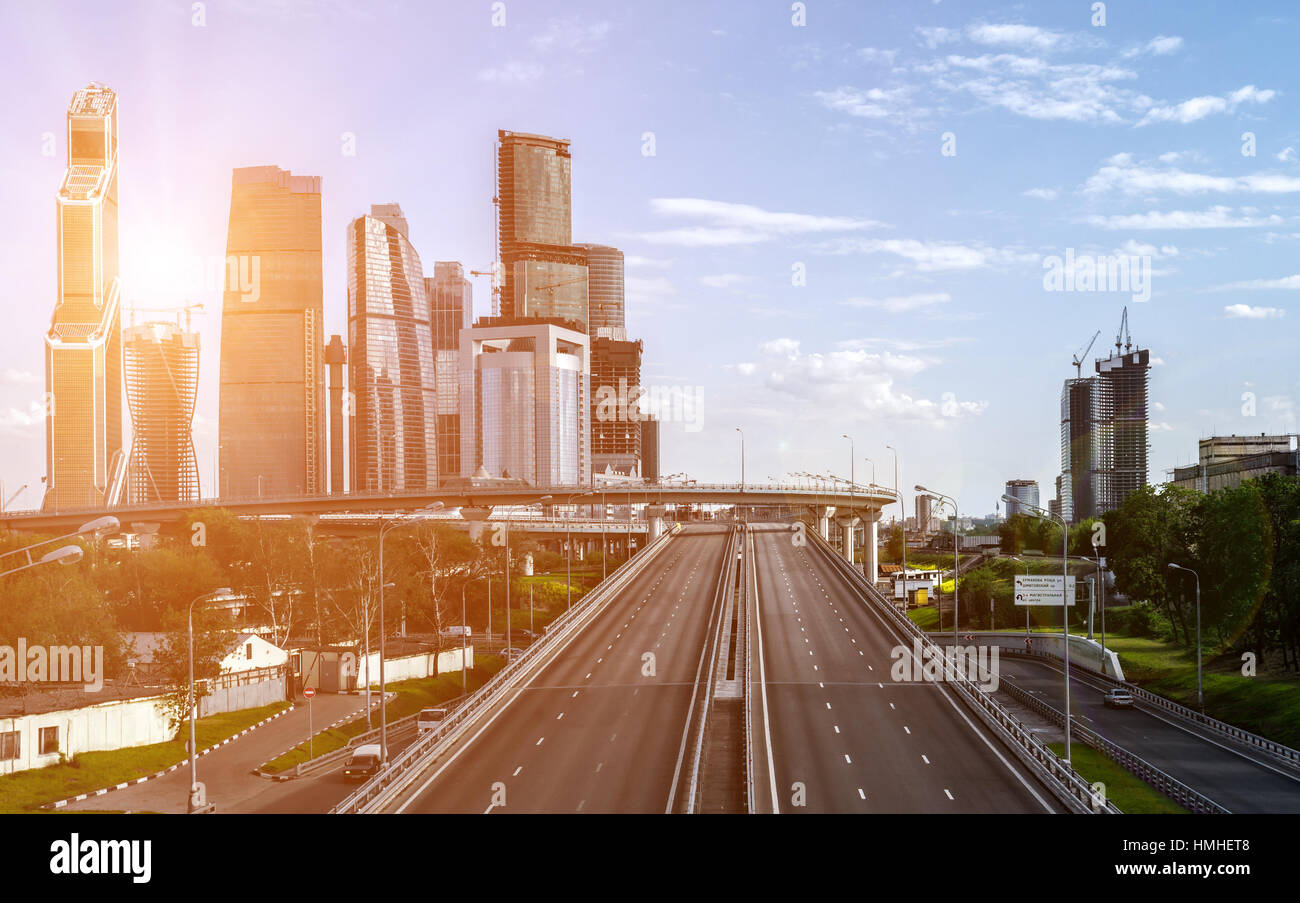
[773, 365]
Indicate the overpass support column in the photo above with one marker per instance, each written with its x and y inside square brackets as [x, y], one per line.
[477, 518]
[872, 542]
[848, 529]
[655, 522]
[823, 515]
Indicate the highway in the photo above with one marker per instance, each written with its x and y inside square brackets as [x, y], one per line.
[855, 740]
[591, 732]
[1240, 782]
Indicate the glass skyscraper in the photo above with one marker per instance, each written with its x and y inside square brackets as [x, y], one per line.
[271, 431]
[162, 381]
[83, 348]
[451, 302]
[605, 291]
[543, 274]
[390, 341]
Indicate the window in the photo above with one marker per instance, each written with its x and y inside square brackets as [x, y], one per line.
[248, 651]
[49, 740]
[10, 745]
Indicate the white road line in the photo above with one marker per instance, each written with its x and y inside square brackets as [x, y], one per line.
[861, 793]
[517, 770]
[925, 759]
[539, 741]
[947, 791]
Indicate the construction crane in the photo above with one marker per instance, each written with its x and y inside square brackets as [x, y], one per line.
[1122, 335]
[1079, 358]
[495, 273]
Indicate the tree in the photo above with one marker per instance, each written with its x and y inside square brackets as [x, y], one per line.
[1152, 528]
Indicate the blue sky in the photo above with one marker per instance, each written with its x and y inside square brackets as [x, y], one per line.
[923, 322]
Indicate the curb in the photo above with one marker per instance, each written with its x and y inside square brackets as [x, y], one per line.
[203, 752]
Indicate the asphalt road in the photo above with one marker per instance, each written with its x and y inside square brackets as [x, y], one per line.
[1209, 766]
[591, 732]
[855, 740]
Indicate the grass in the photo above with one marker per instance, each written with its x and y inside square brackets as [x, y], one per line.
[927, 617]
[1131, 794]
[26, 791]
[412, 695]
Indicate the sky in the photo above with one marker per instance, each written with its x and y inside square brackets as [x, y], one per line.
[839, 217]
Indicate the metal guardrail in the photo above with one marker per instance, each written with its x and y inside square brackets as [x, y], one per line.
[1067, 784]
[380, 788]
[746, 563]
[1170, 786]
[370, 736]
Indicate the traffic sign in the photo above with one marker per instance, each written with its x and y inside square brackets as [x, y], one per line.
[309, 692]
[1040, 589]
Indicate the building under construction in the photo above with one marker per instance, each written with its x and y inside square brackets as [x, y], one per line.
[615, 412]
[162, 378]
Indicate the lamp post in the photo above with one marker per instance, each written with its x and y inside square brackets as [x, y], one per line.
[742, 458]
[507, 569]
[568, 547]
[197, 801]
[1065, 602]
[384, 530]
[464, 626]
[100, 526]
[902, 522]
[1200, 695]
[853, 533]
[955, 559]
[1101, 594]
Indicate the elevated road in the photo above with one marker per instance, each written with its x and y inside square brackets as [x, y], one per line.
[843, 736]
[595, 730]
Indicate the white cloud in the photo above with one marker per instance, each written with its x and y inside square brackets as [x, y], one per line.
[932, 37]
[875, 55]
[900, 303]
[1122, 174]
[871, 103]
[571, 36]
[1207, 105]
[1043, 194]
[636, 261]
[739, 224]
[928, 256]
[1158, 46]
[1248, 312]
[1036, 89]
[1214, 218]
[514, 72]
[13, 377]
[1028, 36]
[1287, 155]
[1289, 283]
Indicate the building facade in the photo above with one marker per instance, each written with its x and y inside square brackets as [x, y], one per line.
[605, 300]
[1022, 491]
[336, 361]
[525, 402]
[162, 383]
[1226, 461]
[271, 430]
[84, 462]
[615, 412]
[451, 299]
[1123, 384]
[394, 421]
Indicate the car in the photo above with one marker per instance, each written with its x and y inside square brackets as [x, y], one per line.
[1119, 698]
[364, 763]
[428, 719]
[512, 653]
[528, 635]
[458, 630]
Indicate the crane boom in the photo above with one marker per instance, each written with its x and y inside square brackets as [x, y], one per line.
[1078, 358]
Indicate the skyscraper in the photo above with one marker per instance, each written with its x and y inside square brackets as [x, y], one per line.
[1122, 381]
[336, 358]
[1080, 449]
[605, 291]
[525, 403]
[1023, 491]
[83, 348]
[543, 274]
[162, 381]
[451, 302]
[272, 436]
[615, 412]
[395, 416]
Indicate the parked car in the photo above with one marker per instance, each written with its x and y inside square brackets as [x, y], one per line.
[458, 630]
[1119, 699]
[364, 763]
[428, 719]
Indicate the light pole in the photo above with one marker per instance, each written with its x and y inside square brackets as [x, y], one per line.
[1101, 594]
[568, 547]
[902, 522]
[510, 514]
[100, 526]
[197, 801]
[955, 560]
[1200, 695]
[742, 459]
[464, 626]
[384, 530]
[853, 533]
[1065, 602]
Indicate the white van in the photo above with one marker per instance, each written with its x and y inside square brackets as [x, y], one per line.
[428, 719]
[458, 630]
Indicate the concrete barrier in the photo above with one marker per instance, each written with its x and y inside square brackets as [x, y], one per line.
[1083, 651]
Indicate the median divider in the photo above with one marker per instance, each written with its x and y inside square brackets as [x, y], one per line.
[402, 771]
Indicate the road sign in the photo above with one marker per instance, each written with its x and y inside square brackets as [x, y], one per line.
[1040, 589]
[309, 692]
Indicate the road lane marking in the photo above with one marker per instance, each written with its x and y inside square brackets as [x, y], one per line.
[539, 741]
[517, 770]
[947, 791]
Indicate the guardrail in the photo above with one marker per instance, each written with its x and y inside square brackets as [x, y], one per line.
[704, 689]
[1066, 784]
[747, 562]
[1170, 786]
[392, 779]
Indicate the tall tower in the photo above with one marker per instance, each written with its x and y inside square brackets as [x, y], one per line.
[272, 407]
[1080, 450]
[451, 303]
[395, 418]
[615, 412]
[543, 274]
[1122, 380]
[162, 381]
[605, 291]
[336, 358]
[83, 348]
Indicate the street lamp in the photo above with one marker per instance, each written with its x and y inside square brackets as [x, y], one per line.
[197, 801]
[568, 547]
[509, 514]
[742, 458]
[1065, 602]
[100, 526]
[902, 521]
[1200, 695]
[955, 559]
[384, 530]
[853, 533]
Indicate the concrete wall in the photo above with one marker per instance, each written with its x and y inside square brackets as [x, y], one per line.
[1083, 651]
[410, 667]
[243, 696]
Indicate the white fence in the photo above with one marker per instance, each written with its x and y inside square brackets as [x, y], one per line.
[408, 667]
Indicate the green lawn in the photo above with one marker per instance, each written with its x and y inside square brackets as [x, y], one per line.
[412, 695]
[27, 790]
[927, 617]
[1131, 794]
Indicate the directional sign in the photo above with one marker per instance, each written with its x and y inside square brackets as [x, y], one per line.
[1040, 589]
[309, 692]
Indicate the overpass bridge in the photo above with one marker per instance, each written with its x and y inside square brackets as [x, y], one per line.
[848, 507]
